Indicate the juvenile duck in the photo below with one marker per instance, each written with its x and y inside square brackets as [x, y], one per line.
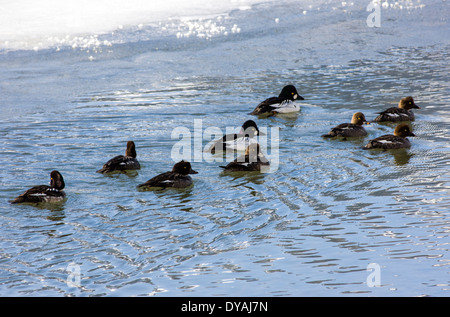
[284, 103]
[237, 141]
[353, 129]
[253, 160]
[44, 193]
[121, 162]
[177, 178]
[389, 141]
[401, 113]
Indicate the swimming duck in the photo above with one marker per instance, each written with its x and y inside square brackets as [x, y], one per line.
[44, 193]
[389, 141]
[284, 103]
[253, 160]
[121, 162]
[177, 178]
[353, 129]
[237, 141]
[400, 113]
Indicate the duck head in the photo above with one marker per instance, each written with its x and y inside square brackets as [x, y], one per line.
[250, 128]
[407, 103]
[183, 168]
[403, 130]
[289, 92]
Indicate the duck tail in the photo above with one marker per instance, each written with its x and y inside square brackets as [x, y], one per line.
[17, 200]
[103, 170]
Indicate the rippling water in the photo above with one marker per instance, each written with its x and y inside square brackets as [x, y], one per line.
[310, 228]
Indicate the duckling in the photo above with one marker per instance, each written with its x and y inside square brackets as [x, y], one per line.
[237, 141]
[121, 162]
[284, 103]
[400, 113]
[389, 141]
[353, 129]
[177, 178]
[44, 193]
[252, 160]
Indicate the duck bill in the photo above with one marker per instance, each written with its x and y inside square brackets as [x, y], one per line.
[299, 97]
[416, 106]
[192, 171]
[411, 134]
[366, 122]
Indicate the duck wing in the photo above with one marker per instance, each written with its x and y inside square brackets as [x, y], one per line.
[388, 142]
[37, 194]
[394, 114]
[120, 163]
[267, 106]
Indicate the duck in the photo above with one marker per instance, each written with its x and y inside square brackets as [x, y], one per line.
[389, 141]
[352, 129]
[401, 113]
[44, 193]
[122, 162]
[252, 160]
[237, 141]
[284, 103]
[177, 178]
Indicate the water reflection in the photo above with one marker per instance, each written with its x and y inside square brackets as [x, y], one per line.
[129, 173]
[401, 156]
[57, 208]
[250, 177]
[181, 195]
[286, 119]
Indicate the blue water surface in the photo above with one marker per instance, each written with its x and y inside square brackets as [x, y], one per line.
[330, 220]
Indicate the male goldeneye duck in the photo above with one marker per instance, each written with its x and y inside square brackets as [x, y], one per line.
[389, 141]
[284, 103]
[44, 193]
[237, 141]
[353, 129]
[177, 178]
[401, 113]
[122, 162]
[253, 160]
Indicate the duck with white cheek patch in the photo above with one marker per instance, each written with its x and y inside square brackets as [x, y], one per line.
[237, 141]
[352, 129]
[284, 103]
